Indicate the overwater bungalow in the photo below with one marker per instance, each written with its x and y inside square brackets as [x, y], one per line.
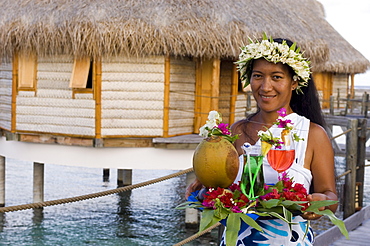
[89, 75]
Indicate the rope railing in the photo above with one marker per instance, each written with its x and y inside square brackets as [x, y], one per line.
[90, 196]
[131, 187]
[195, 236]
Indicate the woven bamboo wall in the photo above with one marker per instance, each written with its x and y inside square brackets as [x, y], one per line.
[182, 91]
[225, 94]
[51, 108]
[340, 85]
[5, 95]
[132, 96]
[241, 106]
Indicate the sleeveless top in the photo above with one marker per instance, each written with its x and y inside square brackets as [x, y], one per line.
[277, 232]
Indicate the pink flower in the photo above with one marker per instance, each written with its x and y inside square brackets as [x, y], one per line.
[282, 112]
[224, 128]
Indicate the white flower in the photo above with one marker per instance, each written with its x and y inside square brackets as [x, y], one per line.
[261, 133]
[203, 132]
[274, 52]
[214, 116]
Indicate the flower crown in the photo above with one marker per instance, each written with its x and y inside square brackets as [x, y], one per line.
[274, 52]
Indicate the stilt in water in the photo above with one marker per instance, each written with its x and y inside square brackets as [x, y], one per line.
[191, 214]
[38, 182]
[106, 173]
[124, 177]
[2, 181]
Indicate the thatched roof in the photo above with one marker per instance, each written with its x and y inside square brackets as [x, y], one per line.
[209, 28]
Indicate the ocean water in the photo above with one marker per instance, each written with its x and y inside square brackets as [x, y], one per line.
[143, 216]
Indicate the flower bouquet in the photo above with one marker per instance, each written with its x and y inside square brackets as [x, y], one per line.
[252, 198]
[282, 200]
[215, 127]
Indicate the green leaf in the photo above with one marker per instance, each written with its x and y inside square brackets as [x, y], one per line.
[276, 215]
[293, 46]
[339, 223]
[208, 219]
[189, 205]
[270, 203]
[251, 222]
[314, 205]
[232, 228]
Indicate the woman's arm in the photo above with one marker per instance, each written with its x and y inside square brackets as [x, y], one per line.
[320, 160]
[196, 185]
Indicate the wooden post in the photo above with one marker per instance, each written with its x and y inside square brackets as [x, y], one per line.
[191, 214]
[215, 84]
[97, 83]
[361, 158]
[364, 107]
[233, 94]
[166, 102]
[352, 93]
[351, 161]
[14, 93]
[331, 105]
[106, 174]
[38, 182]
[347, 104]
[2, 181]
[338, 98]
[124, 177]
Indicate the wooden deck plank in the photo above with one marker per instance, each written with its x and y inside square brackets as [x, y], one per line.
[358, 226]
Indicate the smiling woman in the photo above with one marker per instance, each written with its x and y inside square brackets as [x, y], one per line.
[280, 78]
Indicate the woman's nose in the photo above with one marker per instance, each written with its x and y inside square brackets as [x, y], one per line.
[266, 84]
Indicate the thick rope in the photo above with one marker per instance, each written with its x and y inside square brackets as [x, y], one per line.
[189, 239]
[93, 195]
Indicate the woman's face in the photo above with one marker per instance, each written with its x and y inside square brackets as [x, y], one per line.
[272, 85]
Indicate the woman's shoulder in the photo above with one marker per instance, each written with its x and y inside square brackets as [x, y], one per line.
[317, 132]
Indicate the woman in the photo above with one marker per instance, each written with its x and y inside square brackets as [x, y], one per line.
[280, 78]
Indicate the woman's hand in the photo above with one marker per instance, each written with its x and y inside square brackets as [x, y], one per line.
[314, 197]
[196, 185]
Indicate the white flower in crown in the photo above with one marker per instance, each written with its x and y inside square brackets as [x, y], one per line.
[274, 52]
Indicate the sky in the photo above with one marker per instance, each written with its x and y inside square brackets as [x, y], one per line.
[351, 18]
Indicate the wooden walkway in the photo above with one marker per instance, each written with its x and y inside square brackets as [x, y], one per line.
[358, 226]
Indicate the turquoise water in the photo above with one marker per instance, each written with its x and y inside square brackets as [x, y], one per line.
[143, 216]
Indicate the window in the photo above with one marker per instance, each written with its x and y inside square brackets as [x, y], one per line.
[27, 71]
[82, 74]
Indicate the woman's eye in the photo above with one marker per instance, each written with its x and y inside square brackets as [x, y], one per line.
[256, 75]
[277, 77]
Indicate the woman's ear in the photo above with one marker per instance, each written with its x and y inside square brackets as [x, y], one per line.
[294, 83]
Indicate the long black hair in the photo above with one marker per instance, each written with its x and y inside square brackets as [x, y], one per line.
[307, 103]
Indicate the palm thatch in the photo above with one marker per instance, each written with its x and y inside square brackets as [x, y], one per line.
[199, 28]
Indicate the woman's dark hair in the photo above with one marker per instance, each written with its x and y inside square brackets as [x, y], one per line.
[308, 103]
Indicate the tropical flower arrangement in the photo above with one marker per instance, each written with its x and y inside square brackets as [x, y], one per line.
[282, 200]
[252, 198]
[215, 127]
[274, 52]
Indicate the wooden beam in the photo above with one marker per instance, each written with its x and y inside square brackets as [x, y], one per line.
[215, 83]
[166, 106]
[14, 93]
[352, 85]
[198, 91]
[97, 83]
[234, 93]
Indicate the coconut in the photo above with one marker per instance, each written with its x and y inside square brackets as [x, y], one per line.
[216, 162]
